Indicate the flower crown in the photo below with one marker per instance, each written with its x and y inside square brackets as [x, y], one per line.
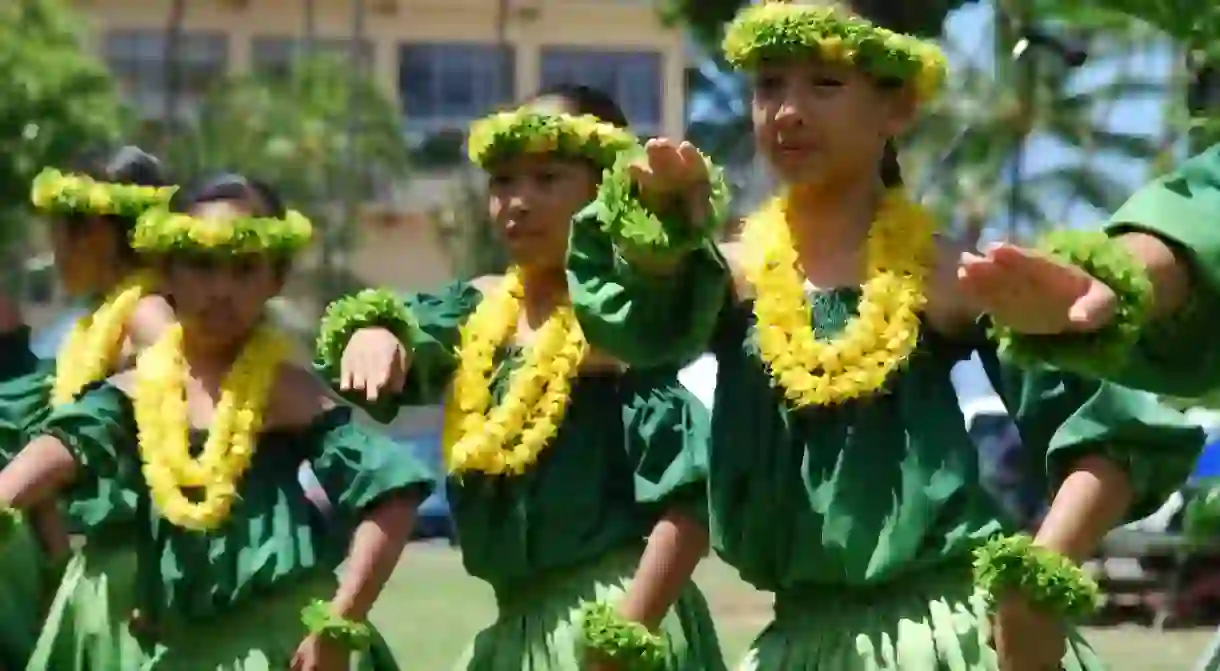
[526, 131]
[777, 30]
[56, 192]
[160, 231]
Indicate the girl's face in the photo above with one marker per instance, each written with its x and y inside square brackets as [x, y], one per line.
[221, 298]
[819, 123]
[532, 199]
[85, 250]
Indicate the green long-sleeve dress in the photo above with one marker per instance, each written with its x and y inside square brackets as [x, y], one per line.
[860, 518]
[573, 527]
[230, 598]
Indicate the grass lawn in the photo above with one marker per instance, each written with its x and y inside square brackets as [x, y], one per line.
[431, 609]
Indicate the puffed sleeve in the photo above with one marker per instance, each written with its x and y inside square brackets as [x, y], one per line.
[667, 434]
[99, 430]
[1065, 417]
[358, 467]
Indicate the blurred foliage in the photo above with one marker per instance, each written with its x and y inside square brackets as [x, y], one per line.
[467, 231]
[55, 99]
[321, 127]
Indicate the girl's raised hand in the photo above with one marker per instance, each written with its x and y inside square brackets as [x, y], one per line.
[673, 172]
[1034, 294]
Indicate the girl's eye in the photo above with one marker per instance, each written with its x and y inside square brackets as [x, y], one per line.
[547, 178]
[498, 180]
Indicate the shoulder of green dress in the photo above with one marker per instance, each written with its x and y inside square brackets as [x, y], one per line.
[106, 398]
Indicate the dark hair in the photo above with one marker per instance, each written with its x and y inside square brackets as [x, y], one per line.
[259, 198]
[885, 13]
[127, 165]
[586, 100]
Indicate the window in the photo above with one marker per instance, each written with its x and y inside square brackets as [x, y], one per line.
[632, 78]
[445, 86]
[137, 60]
[273, 56]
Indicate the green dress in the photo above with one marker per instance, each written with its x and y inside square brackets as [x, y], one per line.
[227, 599]
[573, 527]
[861, 518]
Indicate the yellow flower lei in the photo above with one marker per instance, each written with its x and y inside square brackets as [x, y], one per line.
[160, 406]
[96, 340]
[509, 438]
[874, 343]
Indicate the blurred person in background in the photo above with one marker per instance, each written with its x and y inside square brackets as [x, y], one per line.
[91, 211]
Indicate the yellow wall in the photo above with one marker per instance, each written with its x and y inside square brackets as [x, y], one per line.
[533, 24]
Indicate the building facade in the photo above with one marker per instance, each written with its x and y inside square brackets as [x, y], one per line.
[446, 62]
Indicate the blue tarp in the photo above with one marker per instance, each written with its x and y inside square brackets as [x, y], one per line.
[1208, 465]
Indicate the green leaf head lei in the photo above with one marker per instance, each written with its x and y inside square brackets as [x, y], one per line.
[160, 231]
[530, 131]
[60, 193]
[780, 31]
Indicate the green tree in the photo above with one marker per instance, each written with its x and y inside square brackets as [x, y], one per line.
[326, 134]
[55, 98]
[992, 113]
[466, 230]
[1194, 25]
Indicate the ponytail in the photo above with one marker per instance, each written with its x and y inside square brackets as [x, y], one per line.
[891, 170]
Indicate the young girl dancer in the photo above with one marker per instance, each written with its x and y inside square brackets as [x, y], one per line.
[577, 488]
[209, 430]
[842, 478]
[92, 214]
